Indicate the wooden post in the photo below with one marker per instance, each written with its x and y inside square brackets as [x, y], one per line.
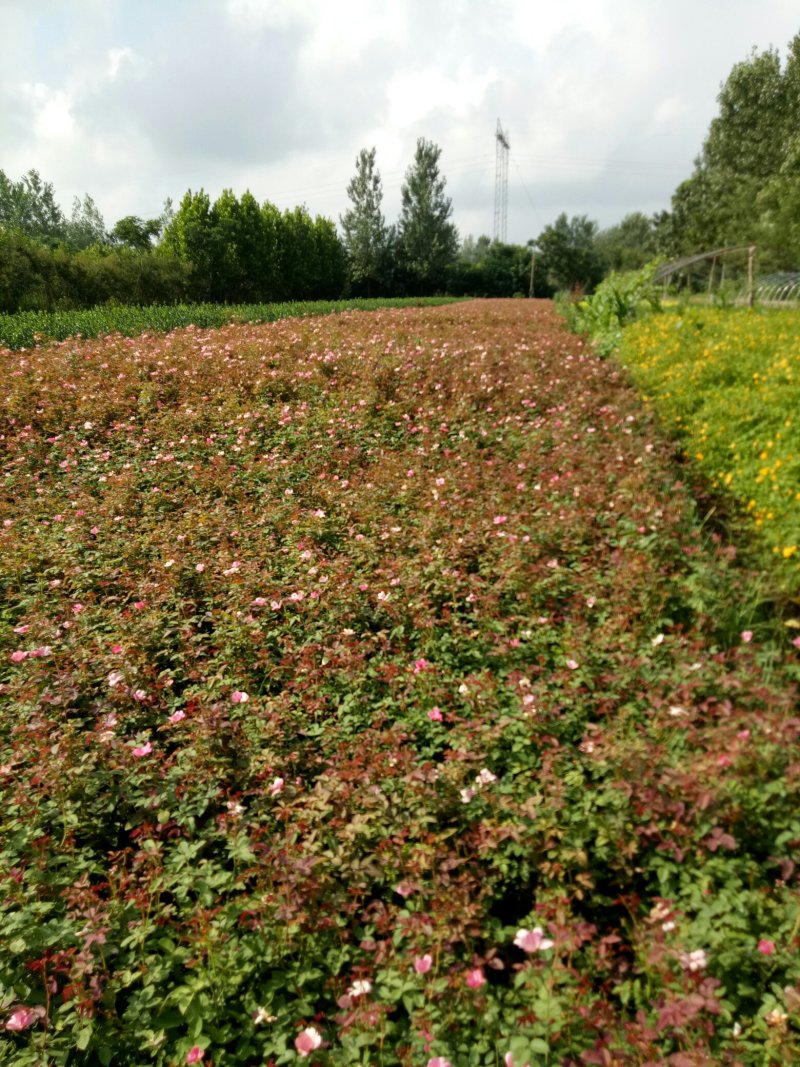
[533, 260]
[751, 293]
[711, 275]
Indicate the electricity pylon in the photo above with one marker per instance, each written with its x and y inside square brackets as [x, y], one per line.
[501, 184]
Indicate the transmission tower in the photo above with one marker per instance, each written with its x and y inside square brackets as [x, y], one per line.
[501, 184]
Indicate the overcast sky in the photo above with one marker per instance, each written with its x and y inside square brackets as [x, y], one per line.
[605, 102]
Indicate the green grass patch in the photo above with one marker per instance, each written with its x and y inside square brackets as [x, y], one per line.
[25, 329]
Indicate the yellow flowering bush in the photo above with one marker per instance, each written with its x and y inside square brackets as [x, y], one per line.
[728, 384]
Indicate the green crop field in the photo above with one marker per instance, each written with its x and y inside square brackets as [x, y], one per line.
[26, 329]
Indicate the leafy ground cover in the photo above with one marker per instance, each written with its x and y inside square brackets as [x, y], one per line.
[371, 694]
[25, 329]
[727, 384]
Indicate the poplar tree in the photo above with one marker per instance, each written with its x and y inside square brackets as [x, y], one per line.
[365, 233]
[428, 240]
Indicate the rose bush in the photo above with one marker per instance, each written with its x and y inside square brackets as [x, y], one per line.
[241, 569]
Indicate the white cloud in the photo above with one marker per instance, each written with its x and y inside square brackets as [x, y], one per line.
[670, 110]
[268, 14]
[416, 93]
[125, 60]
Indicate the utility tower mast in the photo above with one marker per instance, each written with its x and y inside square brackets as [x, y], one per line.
[501, 184]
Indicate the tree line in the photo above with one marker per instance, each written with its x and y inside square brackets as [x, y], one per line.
[231, 250]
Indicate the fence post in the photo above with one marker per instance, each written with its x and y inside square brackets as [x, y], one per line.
[711, 275]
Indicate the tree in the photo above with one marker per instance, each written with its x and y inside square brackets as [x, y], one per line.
[746, 138]
[269, 260]
[133, 232]
[745, 184]
[490, 268]
[567, 256]
[628, 245]
[86, 226]
[365, 234]
[331, 280]
[190, 236]
[428, 240]
[29, 207]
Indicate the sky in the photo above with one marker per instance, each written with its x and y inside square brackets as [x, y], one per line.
[605, 103]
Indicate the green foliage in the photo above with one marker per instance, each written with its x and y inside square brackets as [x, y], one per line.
[191, 237]
[86, 226]
[428, 241]
[36, 278]
[618, 300]
[365, 231]
[629, 245]
[491, 269]
[237, 251]
[746, 182]
[566, 256]
[26, 329]
[29, 207]
[135, 233]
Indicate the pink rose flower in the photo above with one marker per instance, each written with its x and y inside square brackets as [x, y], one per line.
[22, 1018]
[475, 978]
[422, 964]
[532, 940]
[143, 750]
[766, 948]
[307, 1040]
[238, 696]
[435, 715]
[195, 1054]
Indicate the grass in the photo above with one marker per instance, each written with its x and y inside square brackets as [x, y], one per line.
[372, 691]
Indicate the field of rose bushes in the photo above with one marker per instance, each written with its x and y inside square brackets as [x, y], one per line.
[372, 693]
